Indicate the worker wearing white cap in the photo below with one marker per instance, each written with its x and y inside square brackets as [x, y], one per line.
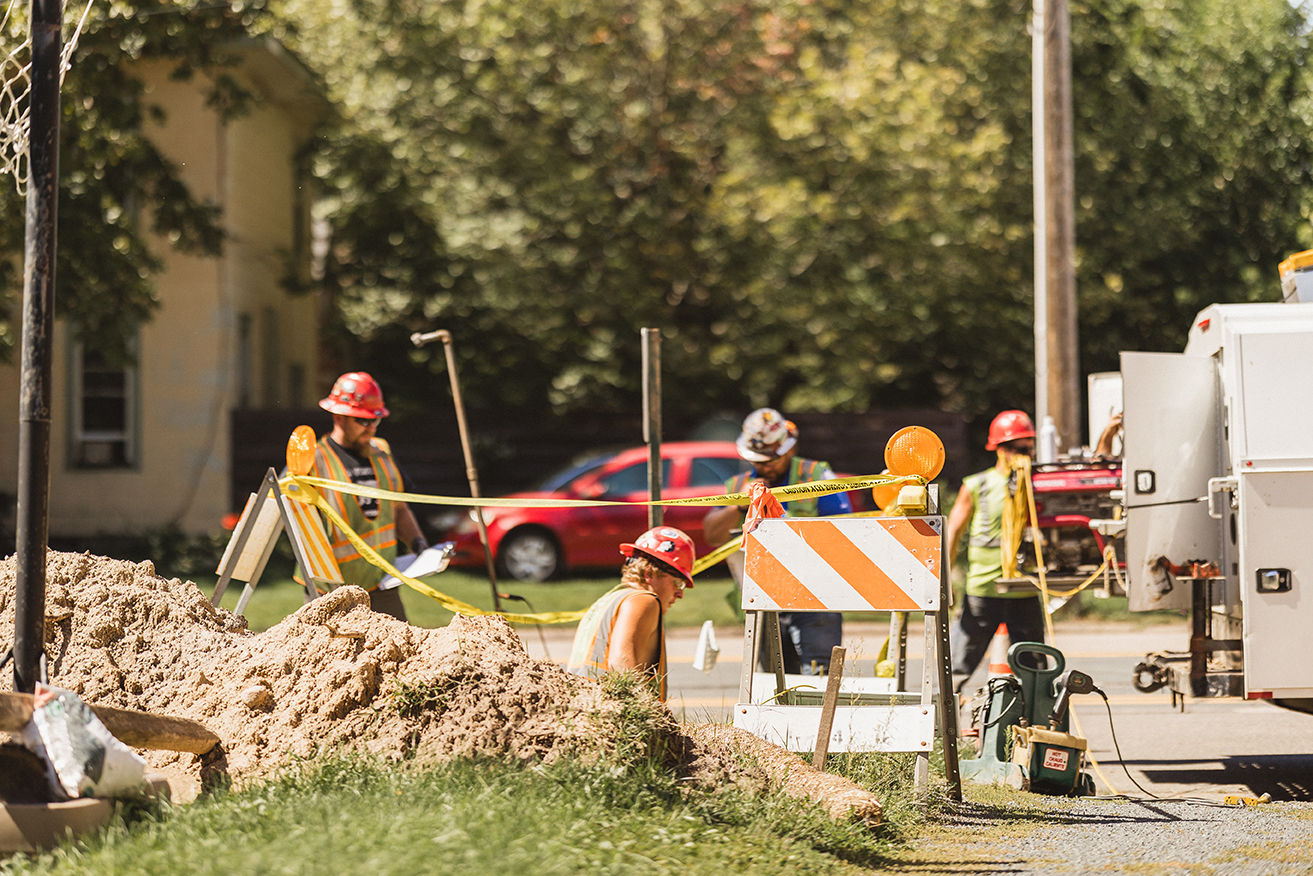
[769, 442]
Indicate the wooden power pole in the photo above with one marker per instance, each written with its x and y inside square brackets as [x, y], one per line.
[1057, 343]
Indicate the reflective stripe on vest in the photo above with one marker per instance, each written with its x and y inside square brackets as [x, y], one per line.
[589, 655]
[801, 471]
[379, 533]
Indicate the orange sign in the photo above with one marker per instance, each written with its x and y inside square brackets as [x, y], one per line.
[855, 564]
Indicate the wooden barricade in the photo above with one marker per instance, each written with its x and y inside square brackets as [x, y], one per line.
[893, 564]
[266, 515]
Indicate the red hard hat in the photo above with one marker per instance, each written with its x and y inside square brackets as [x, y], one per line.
[355, 394]
[1009, 426]
[670, 547]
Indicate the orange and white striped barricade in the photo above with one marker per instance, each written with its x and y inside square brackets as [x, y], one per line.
[257, 532]
[851, 564]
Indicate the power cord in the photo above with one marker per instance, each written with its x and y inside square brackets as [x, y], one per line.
[1195, 801]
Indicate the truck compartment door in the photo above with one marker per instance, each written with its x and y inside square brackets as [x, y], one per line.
[1276, 567]
[1172, 434]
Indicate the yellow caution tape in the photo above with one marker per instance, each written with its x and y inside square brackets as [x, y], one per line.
[311, 496]
[303, 489]
[706, 561]
[784, 494]
[1241, 800]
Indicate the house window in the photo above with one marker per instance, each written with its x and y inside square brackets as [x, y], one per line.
[104, 410]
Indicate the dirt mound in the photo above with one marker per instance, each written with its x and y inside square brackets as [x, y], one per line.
[336, 675]
[332, 675]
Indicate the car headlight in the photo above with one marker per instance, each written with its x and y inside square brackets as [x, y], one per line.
[468, 523]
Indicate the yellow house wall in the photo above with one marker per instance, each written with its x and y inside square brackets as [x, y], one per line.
[187, 380]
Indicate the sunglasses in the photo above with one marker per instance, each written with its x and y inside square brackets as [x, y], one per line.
[368, 421]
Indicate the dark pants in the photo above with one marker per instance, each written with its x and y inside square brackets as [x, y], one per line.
[388, 602]
[807, 638]
[980, 618]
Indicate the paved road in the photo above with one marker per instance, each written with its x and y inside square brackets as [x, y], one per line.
[1212, 748]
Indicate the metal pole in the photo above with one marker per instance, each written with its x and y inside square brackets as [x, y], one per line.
[652, 420]
[471, 472]
[33, 514]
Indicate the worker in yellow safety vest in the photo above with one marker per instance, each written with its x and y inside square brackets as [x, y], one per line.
[352, 453]
[625, 629]
[769, 442]
[978, 513]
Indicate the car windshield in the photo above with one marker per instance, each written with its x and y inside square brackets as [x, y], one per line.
[557, 480]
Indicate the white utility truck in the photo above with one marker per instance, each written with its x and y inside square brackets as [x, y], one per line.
[1218, 497]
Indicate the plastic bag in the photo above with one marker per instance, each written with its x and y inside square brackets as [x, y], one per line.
[86, 759]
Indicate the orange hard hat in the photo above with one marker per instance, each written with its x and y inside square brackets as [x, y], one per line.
[669, 547]
[1009, 426]
[355, 394]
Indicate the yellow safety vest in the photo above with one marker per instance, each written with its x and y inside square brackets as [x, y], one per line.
[592, 641]
[801, 471]
[379, 533]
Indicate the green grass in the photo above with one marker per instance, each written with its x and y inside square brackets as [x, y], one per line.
[352, 815]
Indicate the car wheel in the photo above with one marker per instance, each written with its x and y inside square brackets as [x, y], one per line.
[529, 555]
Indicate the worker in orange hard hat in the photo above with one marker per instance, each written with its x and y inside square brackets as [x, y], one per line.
[353, 453]
[978, 511]
[768, 442]
[625, 628]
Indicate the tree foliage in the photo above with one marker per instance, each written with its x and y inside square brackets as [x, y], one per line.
[823, 205]
[116, 187]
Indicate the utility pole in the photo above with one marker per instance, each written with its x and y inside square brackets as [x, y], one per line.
[33, 517]
[1057, 344]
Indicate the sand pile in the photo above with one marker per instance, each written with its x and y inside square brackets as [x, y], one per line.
[335, 675]
[332, 675]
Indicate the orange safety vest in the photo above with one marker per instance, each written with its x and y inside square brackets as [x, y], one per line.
[592, 641]
[379, 533]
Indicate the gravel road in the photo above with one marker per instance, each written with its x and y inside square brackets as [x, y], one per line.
[1020, 834]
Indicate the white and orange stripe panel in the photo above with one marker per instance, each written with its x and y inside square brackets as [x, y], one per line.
[308, 531]
[853, 564]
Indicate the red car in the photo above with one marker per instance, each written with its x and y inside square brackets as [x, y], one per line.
[533, 544]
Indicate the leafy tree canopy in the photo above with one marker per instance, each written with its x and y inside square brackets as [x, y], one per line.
[823, 205]
[115, 185]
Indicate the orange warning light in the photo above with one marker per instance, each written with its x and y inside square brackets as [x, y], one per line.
[301, 450]
[885, 495]
[915, 450]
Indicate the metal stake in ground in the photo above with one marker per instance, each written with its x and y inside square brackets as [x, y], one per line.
[33, 517]
[652, 421]
[471, 472]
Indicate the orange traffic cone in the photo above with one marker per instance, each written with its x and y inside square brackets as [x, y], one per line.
[998, 652]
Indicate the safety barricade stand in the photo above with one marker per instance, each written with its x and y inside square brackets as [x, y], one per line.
[267, 513]
[857, 564]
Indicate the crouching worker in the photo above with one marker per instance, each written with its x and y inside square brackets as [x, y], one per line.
[625, 628]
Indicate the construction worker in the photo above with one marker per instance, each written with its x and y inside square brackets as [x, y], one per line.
[625, 629]
[979, 511]
[769, 442]
[352, 453]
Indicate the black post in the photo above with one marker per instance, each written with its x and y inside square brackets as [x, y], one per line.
[652, 421]
[38, 325]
